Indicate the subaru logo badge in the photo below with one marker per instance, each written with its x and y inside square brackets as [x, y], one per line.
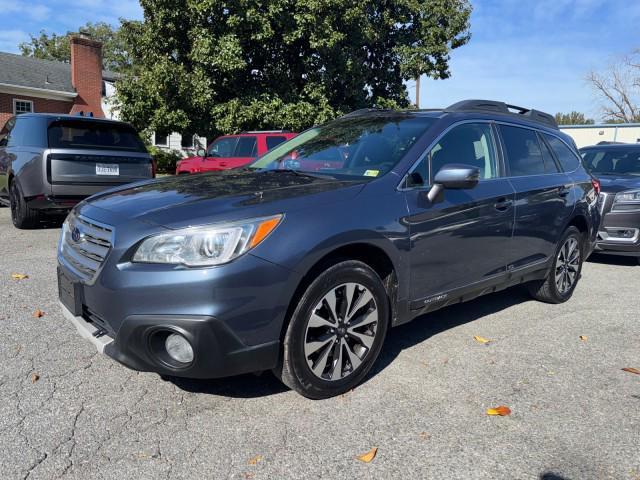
[76, 234]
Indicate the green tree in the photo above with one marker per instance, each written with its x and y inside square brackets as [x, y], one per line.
[56, 47]
[573, 118]
[219, 67]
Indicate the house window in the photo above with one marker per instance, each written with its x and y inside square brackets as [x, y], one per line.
[22, 106]
[162, 139]
[187, 140]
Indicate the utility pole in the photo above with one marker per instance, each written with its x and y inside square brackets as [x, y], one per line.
[418, 92]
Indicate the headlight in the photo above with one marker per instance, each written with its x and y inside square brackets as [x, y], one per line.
[206, 246]
[630, 196]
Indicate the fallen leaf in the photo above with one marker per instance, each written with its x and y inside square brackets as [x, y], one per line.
[248, 475]
[255, 460]
[480, 339]
[424, 435]
[501, 411]
[34, 377]
[38, 313]
[631, 370]
[369, 456]
[583, 338]
[19, 276]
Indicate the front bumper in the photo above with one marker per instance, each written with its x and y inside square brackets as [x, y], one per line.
[615, 226]
[218, 351]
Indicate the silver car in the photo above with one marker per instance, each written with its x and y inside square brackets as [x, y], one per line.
[50, 162]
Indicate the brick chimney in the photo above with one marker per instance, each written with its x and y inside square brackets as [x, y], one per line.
[86, 75]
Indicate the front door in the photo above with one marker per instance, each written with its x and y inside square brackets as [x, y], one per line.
[462, 240]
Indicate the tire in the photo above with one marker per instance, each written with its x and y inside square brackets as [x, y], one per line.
[340, 343]
[22, 216]
[563, 276]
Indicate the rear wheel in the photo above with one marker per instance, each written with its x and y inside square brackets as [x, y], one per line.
[563, 276]
[21, 215]
[336, 331]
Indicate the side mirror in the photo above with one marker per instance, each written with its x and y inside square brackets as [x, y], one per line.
[201, 152]
[453, 177]
[3, 142]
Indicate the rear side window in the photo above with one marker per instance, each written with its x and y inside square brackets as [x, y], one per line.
[568, 159]
[274, 141]
[550, 165]
[246, 147]
[93, 135]
[523, 153]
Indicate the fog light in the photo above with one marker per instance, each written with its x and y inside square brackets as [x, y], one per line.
[179, 348]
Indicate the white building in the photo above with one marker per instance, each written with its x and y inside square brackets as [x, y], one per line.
[187, 145]
[586, 135]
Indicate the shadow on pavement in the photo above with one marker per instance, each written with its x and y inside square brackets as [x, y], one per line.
[404, 336]
[606, 259]
[552, 476]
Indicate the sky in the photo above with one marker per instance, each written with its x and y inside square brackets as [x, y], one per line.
[532, 53]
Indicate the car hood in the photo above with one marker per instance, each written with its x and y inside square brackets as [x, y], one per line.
[190, 200]
[618, 183]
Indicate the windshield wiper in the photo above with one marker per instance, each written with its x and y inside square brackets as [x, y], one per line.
[303, 173]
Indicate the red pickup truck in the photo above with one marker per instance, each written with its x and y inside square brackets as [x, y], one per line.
[232, 151]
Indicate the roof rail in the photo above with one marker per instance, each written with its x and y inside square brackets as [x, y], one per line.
[605, 142]
[266, 131]
[504, 108]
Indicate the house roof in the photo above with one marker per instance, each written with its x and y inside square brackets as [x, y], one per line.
[36, 73]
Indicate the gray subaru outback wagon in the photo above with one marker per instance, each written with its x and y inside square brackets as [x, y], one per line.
[50, 162]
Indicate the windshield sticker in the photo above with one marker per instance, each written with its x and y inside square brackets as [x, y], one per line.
[371, 173]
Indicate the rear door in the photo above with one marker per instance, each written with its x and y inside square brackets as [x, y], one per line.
[462, 241]
[544, 196]
[87, 156]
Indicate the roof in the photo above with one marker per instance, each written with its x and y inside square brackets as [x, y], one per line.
[32, 72]
[70, 116]
[603, 125]
[611, 146]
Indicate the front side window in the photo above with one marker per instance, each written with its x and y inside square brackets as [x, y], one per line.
[614, 161]
[22, 106]
[567, 157]
[470, 144]
[86, 134]
[523, 153]
[366, 146]
[223, 147]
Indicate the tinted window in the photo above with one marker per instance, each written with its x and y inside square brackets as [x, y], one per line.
[567, 157]
[223, 147]
[612, 161]
[471, 144]
[523, 153]
[274, 142]
[16, 133]
[363, 146]
[246, 147]
[550, 165]
[93, 135]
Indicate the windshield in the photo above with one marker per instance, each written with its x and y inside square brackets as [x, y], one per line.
[363, 146]
[94, 135]
[612, 161]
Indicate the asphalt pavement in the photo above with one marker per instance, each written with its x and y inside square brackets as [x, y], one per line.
[68, 412]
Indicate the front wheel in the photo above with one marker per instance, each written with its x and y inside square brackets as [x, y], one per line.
[336, 331]
[565, 272]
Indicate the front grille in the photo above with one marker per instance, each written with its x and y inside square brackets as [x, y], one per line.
[84, 246]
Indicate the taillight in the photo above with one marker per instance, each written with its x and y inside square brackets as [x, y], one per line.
[154, 166]
[596, 185]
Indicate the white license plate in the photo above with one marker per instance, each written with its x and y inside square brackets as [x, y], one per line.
[107, 169]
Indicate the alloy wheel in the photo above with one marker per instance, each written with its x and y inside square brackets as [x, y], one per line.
[341, 331]
[567, 265]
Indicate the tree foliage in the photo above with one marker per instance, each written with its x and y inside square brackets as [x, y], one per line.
[618, 88]
[219, 67]
[573, 118]
[56, 47]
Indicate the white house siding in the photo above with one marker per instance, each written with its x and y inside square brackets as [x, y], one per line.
[585, 135]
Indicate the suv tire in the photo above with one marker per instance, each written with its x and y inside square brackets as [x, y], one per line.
[336, 331]
[22, 216]
[564, 274]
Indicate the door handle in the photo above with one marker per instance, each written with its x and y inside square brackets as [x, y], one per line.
[503, 204]
[564, 191]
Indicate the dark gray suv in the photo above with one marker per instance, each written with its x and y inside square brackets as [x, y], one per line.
[303, 261]
[49, 162]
